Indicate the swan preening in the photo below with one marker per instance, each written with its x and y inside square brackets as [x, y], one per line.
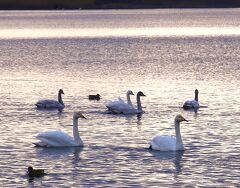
[192, 104]
[59, 138]
[52, 104]
[121, 107]
[169, 143]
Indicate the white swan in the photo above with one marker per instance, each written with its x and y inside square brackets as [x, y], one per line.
[119, 105]
[169, 143]
[52, 104]
[133, 110]
[137, 110]
[59, 138]
[192, 104]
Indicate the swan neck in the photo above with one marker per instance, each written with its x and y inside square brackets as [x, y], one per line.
[60, 98]
[179, 143]
[196, 96]
[139, 105]
[129, 100]
[76, 135]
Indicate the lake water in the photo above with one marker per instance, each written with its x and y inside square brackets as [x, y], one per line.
[167, 54]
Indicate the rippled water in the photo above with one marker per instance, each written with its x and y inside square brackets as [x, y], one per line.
[166, 68]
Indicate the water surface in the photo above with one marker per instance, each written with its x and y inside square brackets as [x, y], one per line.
[166, 67]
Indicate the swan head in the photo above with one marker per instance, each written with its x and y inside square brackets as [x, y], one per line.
[129, 92]
[60, 91]
[180, 118]
[196, 91]
[78, 115]
[140, 94]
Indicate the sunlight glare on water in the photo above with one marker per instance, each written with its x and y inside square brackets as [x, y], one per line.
[117, 32]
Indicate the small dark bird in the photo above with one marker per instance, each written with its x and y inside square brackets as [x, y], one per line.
[94, 97]
[35, 172]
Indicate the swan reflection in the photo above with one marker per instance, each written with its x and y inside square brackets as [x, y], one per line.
[174, 156]
[59, 152]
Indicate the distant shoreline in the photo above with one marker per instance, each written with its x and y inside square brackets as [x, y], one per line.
[114, 4]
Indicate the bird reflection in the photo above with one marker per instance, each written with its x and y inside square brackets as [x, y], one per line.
[174, 156]
[59, 152]
[195, 110]
[139, 122]
[178, 161]
[76, 156]
[132, 116]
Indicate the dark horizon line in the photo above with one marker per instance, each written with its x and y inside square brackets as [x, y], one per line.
[114, 4]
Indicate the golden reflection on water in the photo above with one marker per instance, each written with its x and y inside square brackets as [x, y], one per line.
[118, 32]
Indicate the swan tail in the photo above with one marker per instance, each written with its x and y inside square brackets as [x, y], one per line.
[39, 105]
[113, 110]
[40, 144]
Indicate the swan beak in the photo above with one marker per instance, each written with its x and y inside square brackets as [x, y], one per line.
[185, 119]
[83, 117]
